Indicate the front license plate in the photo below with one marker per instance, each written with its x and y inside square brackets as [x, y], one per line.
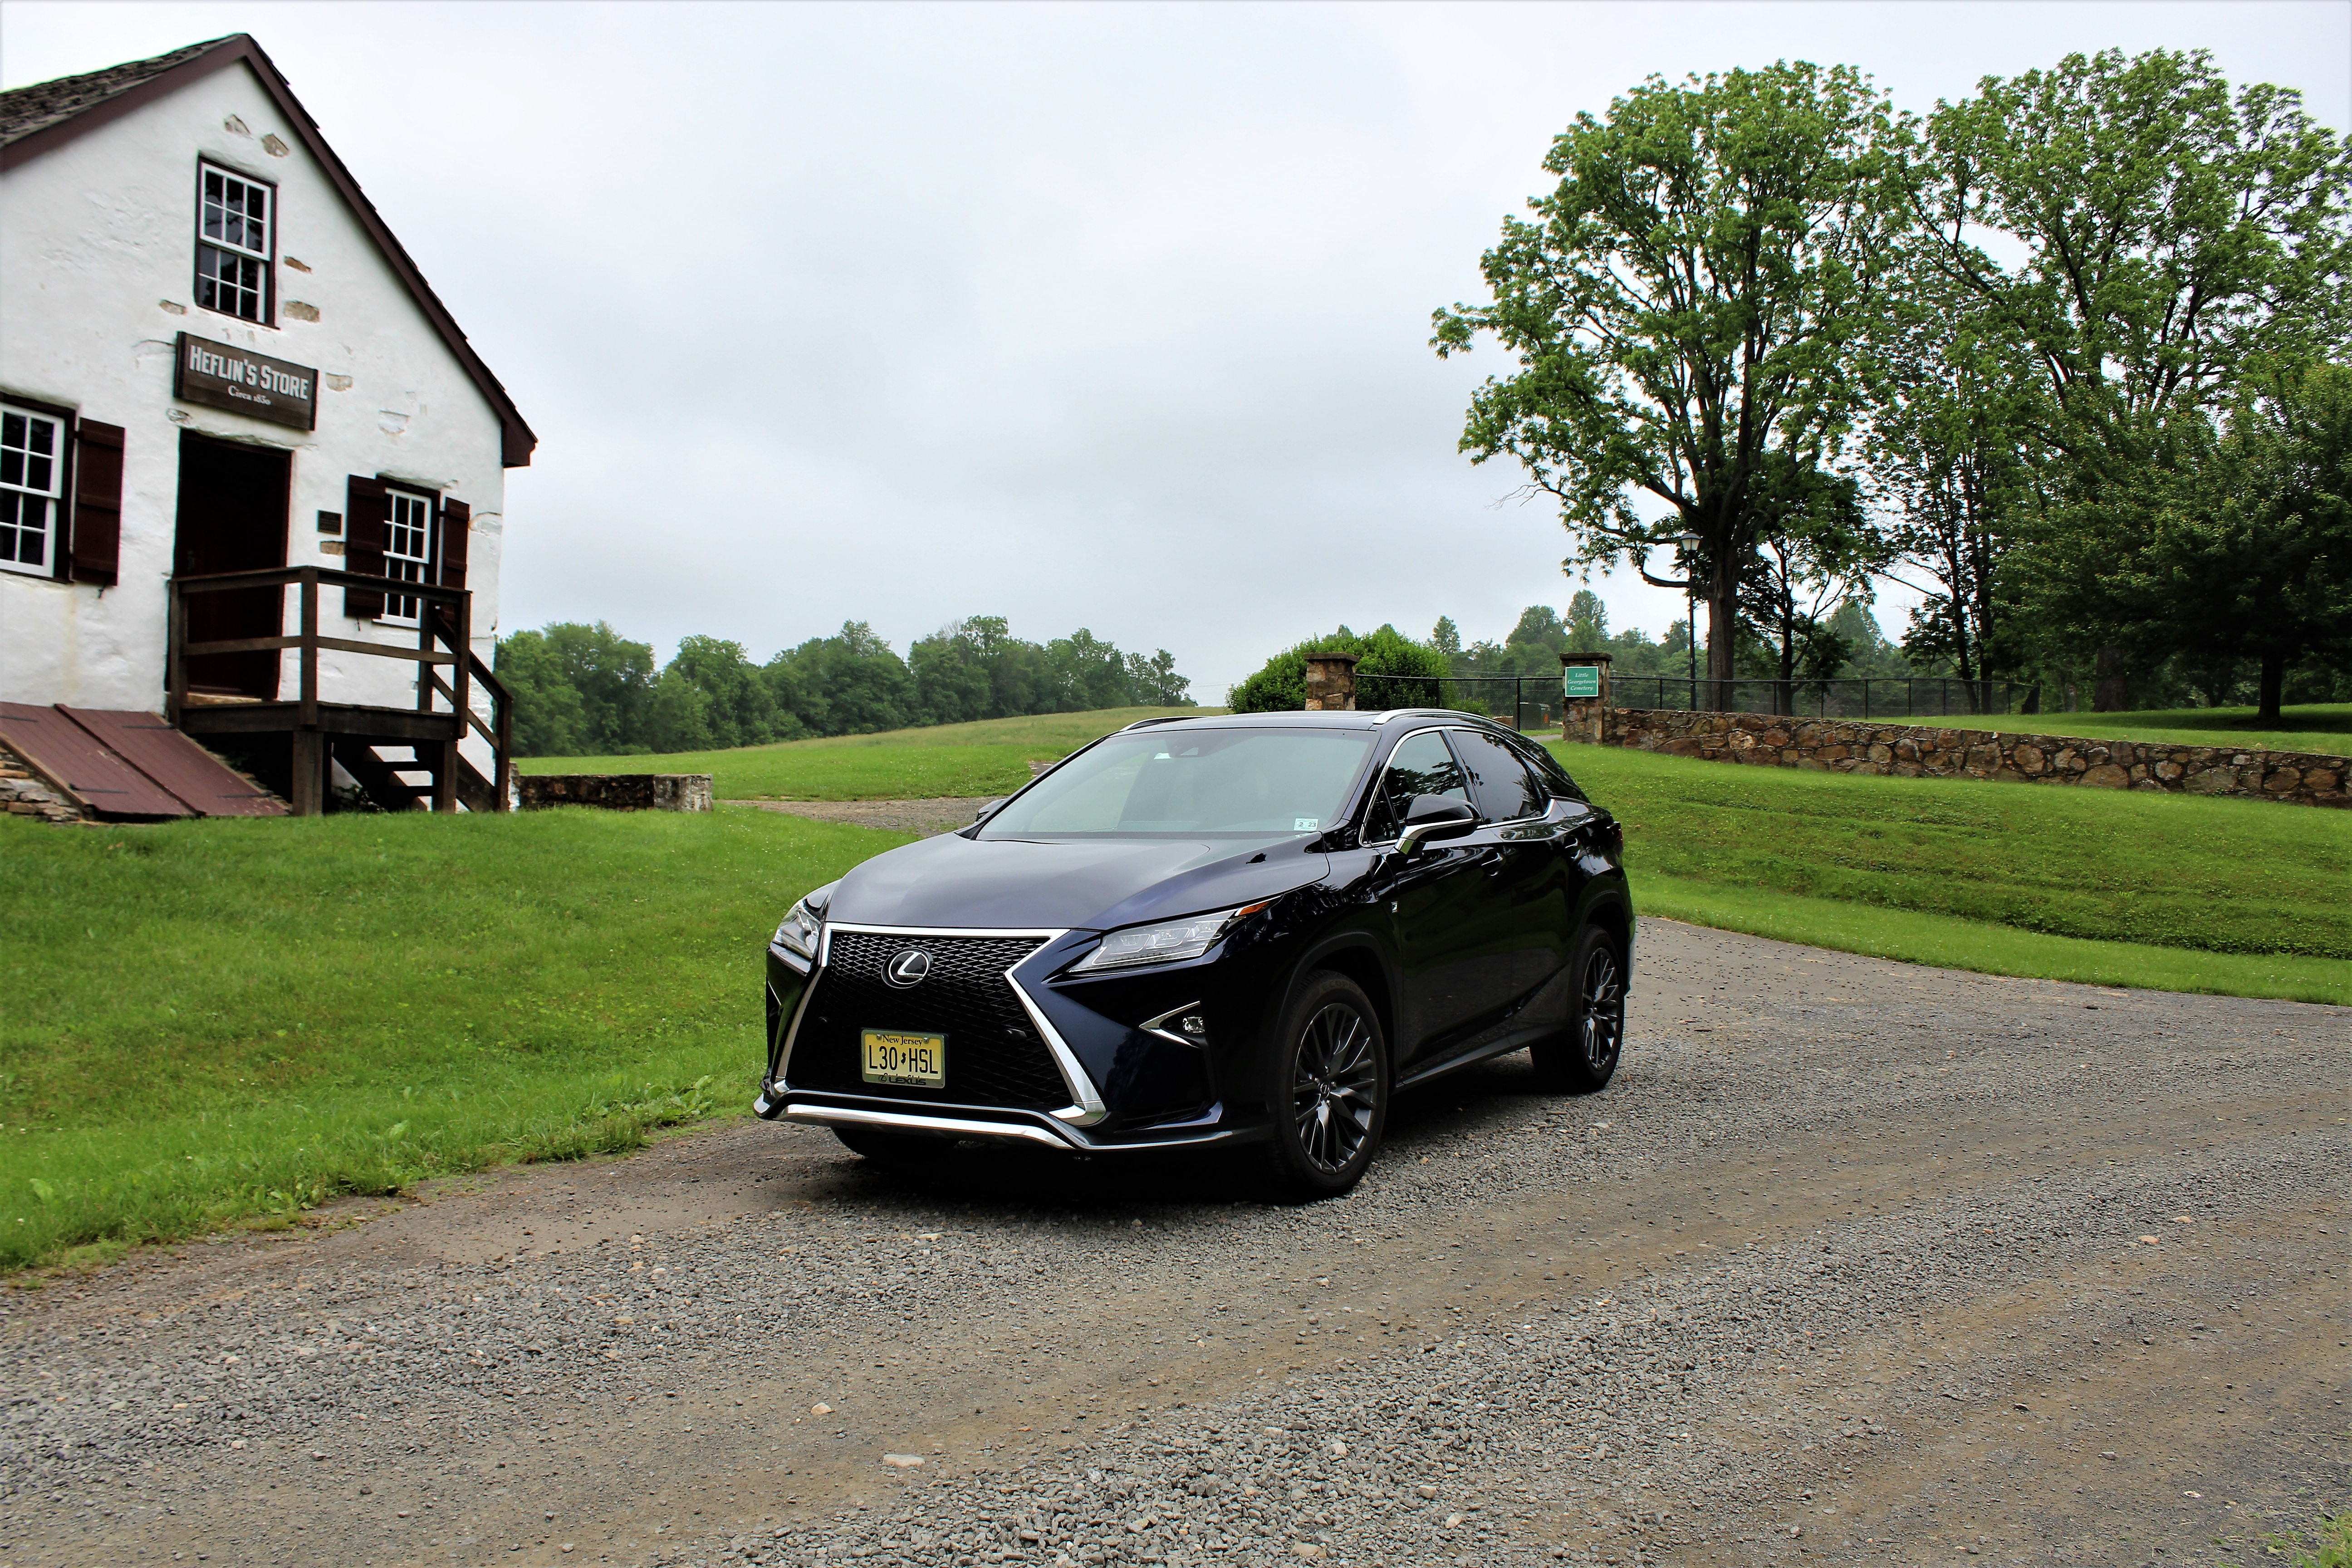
[920, 1061]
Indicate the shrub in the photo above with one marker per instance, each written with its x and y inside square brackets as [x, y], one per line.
[1281, 686]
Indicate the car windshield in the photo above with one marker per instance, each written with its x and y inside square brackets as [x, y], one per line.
[1238, 782]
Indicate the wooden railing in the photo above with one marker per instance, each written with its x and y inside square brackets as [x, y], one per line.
[443, 641]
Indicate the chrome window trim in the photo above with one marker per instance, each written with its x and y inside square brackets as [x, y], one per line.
[1369, 799]
[1086, 1106]
[1152, 1027]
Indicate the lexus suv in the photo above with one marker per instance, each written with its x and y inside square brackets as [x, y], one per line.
[1246, 930]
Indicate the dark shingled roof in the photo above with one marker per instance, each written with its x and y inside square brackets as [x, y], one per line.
[25, 109]
[47, 115]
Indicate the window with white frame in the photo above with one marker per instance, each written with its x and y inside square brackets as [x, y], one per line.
[407, 552]
[32, 490]
[233, 234]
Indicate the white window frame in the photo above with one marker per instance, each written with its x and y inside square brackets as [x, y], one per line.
[215, 222]
[18, 466]
[402, 609]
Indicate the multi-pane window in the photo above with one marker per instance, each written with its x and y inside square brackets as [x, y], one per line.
[32, 490]
[407, 552]
[233, 244]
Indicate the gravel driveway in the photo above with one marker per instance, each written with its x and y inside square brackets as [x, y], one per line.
[1856, 1261]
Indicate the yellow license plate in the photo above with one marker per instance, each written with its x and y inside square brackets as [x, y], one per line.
[918, 1060]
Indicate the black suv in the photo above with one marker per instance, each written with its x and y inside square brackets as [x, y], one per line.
[1248, 930]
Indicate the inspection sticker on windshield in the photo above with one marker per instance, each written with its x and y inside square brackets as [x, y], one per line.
[920, 1061]
[1304, 823]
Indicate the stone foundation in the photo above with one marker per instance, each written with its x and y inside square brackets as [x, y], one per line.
[24, 792]
[1920, 750]
[618, 791]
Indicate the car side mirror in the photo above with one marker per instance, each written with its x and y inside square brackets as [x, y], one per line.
[1434, 816]
[988, 808]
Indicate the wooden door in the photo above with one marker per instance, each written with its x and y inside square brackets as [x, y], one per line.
[232, 517]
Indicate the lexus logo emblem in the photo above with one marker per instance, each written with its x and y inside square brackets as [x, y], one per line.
[907, 968]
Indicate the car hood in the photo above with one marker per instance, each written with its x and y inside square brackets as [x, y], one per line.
[1087, 884]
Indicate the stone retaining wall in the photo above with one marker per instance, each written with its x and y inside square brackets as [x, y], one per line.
[1920, 750]
[618, 791]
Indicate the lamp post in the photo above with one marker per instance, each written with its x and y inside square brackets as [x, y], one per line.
[1688, 543]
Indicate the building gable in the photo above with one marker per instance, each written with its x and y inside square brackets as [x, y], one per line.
[37, 118]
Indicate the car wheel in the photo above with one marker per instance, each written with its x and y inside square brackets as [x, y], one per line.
[1583, 1057]
[1328, 1092]
[905, 1150]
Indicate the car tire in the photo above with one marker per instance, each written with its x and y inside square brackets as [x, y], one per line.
[1327, 1090]
[1583, 1058]
[905, 1150]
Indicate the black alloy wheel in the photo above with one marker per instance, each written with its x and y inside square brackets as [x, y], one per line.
[1583, 1058]
[1330, 1091]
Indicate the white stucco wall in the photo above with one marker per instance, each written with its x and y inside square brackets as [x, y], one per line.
[97, 279]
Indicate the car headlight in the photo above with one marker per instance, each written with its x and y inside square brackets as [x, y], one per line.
[797, 933]
[1166, 942]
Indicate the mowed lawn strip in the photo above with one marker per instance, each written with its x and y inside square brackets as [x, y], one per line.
[1950, 943]
[2162, 870]
[212, 1020]
[985, 758]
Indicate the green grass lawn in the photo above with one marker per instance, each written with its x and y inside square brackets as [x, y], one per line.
[212, 1020]
[990, 757]
[2325, 727]
[2180, 892]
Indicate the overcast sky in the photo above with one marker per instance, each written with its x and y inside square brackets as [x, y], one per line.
[1112, 316]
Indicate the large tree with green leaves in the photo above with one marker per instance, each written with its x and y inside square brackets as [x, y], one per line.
[2176, 235]
[1681, 306]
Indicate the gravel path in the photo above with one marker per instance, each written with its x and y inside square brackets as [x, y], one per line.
[1856, 1261]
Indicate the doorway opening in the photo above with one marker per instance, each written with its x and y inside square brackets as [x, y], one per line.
[232, 517]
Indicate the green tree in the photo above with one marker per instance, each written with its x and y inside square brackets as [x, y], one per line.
[1280, 686]
[1956, 464]
[1587, 624]
[2239, 546]
[2178, 237]
[1816, 549]
[2175, 236]
[1446, 637]
[587, 684]
[851, 683]
[1683, 305]
[1153, 682]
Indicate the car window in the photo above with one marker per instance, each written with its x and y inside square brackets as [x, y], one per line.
[1548, 769]
[1500, 783]
[1241, 781]
[1420, 765]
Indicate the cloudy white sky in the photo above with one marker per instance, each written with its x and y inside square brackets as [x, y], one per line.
[1101, 315]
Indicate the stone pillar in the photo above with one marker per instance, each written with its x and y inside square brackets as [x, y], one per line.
[1584, 697]
[1331, 683]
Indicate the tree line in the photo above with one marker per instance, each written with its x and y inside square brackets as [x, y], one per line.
[2067, 357]
[1440, 670]
[586, 690]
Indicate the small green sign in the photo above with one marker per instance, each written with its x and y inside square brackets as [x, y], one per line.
[1584, 679]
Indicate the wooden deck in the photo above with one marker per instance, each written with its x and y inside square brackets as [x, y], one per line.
[301, 736]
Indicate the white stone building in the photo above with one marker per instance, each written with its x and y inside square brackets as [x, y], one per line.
[214, 357]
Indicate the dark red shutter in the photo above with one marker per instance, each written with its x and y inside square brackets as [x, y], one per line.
[367, 524]
[457, 523]
[98, 502]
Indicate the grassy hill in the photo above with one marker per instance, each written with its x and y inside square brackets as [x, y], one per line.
[990, 757]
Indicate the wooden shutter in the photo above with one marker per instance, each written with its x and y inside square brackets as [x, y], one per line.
[98, 502]
[367, 524]
[457, 523]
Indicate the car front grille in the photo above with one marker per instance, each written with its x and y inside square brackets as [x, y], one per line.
[994, 1056]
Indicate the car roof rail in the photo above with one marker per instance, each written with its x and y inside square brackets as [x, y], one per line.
[1162, 719]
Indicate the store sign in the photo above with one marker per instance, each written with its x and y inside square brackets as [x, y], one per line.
[1584, 679]
[242, 382]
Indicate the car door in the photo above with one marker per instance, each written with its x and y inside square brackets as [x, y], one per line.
[1431, 897]
[1521, 915]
